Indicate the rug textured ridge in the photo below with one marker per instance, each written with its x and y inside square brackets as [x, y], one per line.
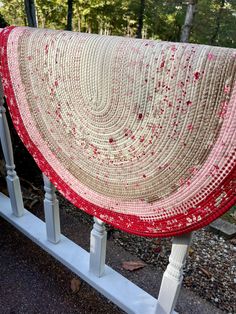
[139, 133]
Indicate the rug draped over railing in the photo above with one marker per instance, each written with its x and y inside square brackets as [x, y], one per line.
[138, 133]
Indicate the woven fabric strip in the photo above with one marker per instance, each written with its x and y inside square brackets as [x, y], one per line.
[138, 133]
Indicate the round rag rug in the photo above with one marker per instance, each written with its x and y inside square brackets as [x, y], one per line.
[139, 133]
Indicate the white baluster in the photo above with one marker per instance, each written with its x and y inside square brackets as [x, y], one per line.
[51, 211]
[98, 243]
[13, 183]
[173, 276]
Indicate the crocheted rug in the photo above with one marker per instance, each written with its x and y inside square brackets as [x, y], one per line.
[138, 133]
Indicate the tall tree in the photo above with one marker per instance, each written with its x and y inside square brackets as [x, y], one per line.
[140, 19]
[69, 14]
[218, 21]
[30, 13]
[188, 23]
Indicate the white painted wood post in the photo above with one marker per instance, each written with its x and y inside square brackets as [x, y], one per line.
[51, 212]
[173, 276]
[98, 243]
[13, 182]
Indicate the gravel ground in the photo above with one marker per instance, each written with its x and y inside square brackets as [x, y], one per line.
[210, 271]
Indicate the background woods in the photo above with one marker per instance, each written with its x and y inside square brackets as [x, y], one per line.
[198, 21]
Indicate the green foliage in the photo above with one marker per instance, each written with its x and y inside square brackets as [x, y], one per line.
[104, 17]
[13, 12]
[213, 23]
[209, 13]
[52, 13]
[164, 19]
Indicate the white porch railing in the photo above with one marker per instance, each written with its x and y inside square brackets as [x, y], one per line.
[90, 266]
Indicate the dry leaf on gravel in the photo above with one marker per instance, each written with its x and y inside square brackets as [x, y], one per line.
[205, 272]
[75, 285]
[133, 265]
[190, 251]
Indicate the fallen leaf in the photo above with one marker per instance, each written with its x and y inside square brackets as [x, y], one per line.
[205, 272]
[35, 201]
[75, 285]
[133, 265]
[190, 251]
[30, 184]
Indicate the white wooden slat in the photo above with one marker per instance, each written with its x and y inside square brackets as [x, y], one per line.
[51, 212]
[173, 276]
[98, 243]
[13, 183]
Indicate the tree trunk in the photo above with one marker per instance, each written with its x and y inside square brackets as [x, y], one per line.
[69, 15]
[218, 20]
[30, 13]
[188, 23]
[79, 23]
[140, 19]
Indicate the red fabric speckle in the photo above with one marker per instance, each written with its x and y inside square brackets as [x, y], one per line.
[196, 75]
[190, 127]
[46, 49]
